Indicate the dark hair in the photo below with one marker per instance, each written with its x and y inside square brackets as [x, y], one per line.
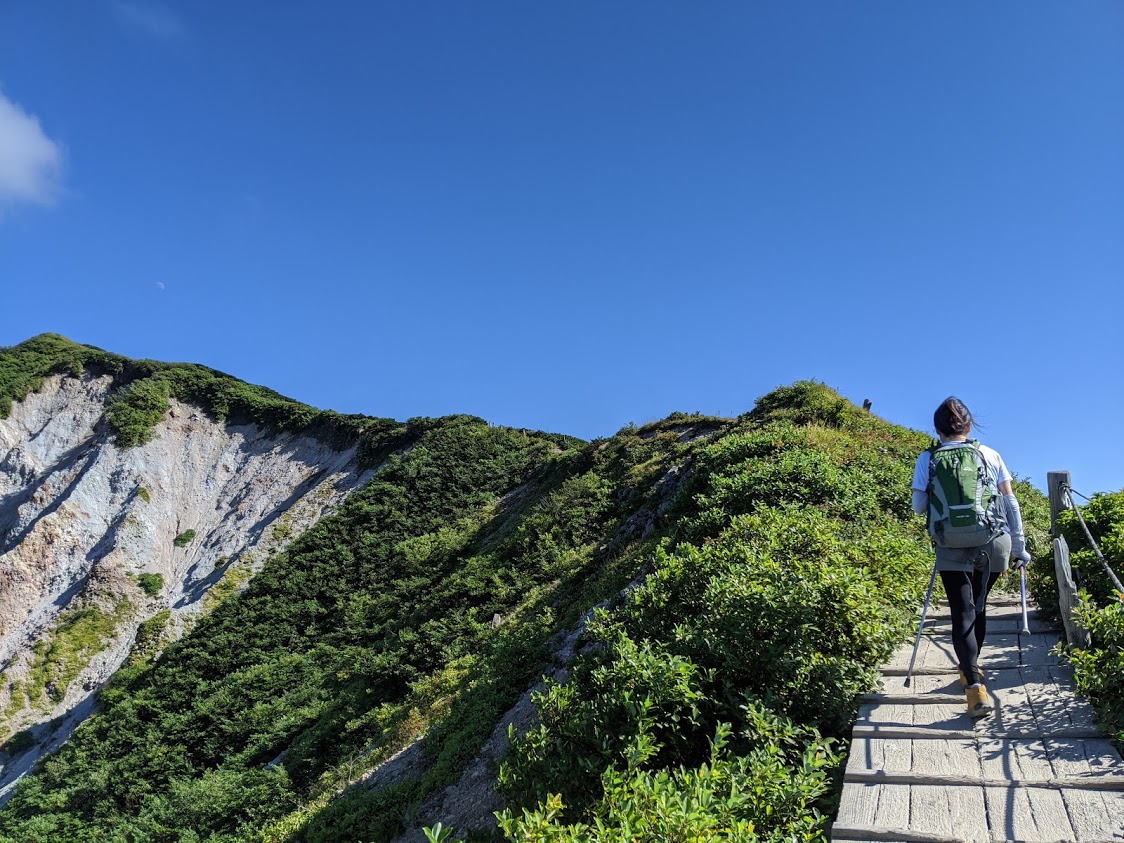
[952, 418]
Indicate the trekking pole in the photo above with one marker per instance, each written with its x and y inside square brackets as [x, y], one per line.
[1025, 629]
[921, 626]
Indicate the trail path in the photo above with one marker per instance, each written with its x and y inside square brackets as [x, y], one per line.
[1037, 769]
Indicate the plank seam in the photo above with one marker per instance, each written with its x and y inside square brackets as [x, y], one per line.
[1108, 782]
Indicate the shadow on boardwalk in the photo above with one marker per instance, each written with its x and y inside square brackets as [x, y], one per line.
[921, 770]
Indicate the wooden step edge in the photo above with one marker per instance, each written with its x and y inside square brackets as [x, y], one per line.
[951, 670]
[1102, 781]
[923, 671]
[920, 733]
[995, 626]
[998, 633]
[882, 834]
[996, 598]
[913, 698]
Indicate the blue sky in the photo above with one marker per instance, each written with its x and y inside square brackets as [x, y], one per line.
[573, 215]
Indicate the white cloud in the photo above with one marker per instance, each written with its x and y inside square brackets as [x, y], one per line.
[30, 162]
[150, 18]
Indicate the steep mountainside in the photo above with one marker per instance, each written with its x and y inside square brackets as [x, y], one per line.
[707, 597]
[99, 541]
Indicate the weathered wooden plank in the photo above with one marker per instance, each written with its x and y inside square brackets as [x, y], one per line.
[1055, 704]
[938, 653]
[942, 715]
[1008, 651]
[866, 834]
[1090, 756]
[1001, 650]
[1015, 760]
[922, 733]
[1075, 633]
[956, 812]
[1002, 625]
[903, 756]
[886, 714]
[1104, 783]
[1013, 709]
[879, 754]
[859, 805]
[1023, 813]
[1095, 814]
[945, 757]
[915, 697]
[921, 670]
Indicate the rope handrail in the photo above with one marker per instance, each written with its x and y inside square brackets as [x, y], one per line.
[1068, 492]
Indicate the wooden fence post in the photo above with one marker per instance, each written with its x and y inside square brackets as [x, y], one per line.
[1055, 480]
[1075, 633]
[1058, 484]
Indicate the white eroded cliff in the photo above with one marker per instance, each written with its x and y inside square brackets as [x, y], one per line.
[95, 540]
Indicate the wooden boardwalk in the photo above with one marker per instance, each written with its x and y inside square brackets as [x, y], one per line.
[1037, 769]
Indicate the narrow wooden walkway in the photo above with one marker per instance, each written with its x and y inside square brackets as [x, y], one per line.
[1037, 769]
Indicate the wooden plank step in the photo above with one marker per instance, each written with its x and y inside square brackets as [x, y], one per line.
[915, 698]
[867, 834]
[999, 598]
[1000, 625]
[921, 734]
[1089, 782]
[986, 758]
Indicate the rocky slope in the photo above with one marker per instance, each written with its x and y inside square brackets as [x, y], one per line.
[97, 542]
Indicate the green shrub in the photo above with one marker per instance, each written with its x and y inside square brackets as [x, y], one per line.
[143, 494]
[184, 539]
[768, 793]
[150, 583]
[784, 607]
[136, 409]
[1099, 670]
[1104, 516]
[637, 707]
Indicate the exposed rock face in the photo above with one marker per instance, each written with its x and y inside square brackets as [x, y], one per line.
[81, 521]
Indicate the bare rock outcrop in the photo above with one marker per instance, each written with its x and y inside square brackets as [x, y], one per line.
[96, 540]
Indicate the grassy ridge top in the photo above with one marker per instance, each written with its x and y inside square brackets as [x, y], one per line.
[142, 389]
[781, 563]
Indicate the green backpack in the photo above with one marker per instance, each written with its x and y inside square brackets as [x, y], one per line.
[965, 508]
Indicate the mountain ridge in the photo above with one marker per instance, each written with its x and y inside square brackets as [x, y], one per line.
[460, 571]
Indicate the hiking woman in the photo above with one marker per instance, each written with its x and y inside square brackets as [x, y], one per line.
[976, 526]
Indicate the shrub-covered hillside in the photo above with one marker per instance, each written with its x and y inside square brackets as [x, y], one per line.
[771, 564]
[1099, 671]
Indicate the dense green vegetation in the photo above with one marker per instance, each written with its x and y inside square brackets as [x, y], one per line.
[731, 674]
[24, 367]
[1099, 671]
[370, 622]
[771, 562]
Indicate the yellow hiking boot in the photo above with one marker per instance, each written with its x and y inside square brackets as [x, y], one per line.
[964, 679]
[979, 703]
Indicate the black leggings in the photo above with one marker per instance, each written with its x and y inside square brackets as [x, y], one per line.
[968, 625]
